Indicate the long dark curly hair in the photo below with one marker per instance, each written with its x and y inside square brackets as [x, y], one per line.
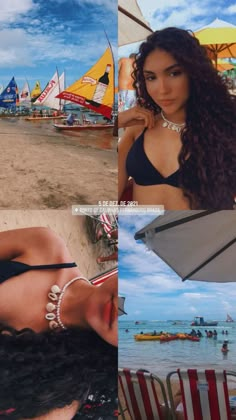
[208, 177]
[40, 372]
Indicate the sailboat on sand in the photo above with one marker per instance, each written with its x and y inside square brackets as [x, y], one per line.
[9, 96]
[48, 98]
[95, 91]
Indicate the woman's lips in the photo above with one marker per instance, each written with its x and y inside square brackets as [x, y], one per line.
[166, 102]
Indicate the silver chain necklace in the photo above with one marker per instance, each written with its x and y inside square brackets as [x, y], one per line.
[171, 125]
[56, 294]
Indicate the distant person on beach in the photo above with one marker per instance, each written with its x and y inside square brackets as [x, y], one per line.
[180, 145]
[70, 119]
[126, 91]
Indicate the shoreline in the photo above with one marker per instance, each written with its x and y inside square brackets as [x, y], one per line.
[43, 169]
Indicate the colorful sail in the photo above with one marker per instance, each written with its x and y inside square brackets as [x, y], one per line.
[9, 95]
[24, 96]
[95, 90]
[36, 91]
[48, 96]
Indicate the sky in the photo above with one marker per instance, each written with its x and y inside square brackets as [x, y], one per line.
[185, 14]
[38, 35]
[153, 291]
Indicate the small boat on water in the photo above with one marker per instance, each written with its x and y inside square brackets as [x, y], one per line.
[199, 322]
[79, 127]
[229, 319]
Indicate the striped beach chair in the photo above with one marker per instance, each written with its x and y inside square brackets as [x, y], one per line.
[141, 397]
[103, 277]
[204, 394]
[100, 278]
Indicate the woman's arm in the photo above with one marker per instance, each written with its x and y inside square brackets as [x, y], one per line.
[124, 146]
[136, 116]
[17, 242]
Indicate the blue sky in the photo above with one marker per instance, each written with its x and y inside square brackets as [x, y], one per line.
[186, 14]
[154, 292]
[38, 35]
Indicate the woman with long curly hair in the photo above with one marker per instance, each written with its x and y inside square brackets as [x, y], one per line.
[56, 375]
[181, 148]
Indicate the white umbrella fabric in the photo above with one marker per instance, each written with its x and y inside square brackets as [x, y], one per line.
[196, 244]
[131, 23]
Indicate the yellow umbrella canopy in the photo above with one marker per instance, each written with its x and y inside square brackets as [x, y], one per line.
[219, 37]
[223, 65]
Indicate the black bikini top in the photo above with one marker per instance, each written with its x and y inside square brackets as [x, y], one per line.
[143, 172]
[10, 269]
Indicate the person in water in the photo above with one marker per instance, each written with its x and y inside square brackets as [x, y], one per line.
[180, 144]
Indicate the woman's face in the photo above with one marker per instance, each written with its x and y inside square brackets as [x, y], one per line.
[102, 310]
[166, 81]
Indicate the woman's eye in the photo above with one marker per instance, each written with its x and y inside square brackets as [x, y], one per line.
[175, 73]
[149, 78]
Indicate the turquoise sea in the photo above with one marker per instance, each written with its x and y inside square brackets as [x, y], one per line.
[162, 358]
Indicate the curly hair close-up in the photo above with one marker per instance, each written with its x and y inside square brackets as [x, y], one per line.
[40, 372]
[208, 179]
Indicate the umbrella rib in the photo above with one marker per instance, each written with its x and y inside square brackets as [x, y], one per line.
[177, 223]
[134, 18]
[229, 244]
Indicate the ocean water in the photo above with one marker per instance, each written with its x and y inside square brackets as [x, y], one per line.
[162, 358]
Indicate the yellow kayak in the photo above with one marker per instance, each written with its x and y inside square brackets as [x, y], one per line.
[144, 337]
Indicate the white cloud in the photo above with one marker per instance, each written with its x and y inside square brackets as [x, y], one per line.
[231, 10]
[10, 10]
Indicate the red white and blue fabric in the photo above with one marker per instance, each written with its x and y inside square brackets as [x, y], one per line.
[140, 394]
[204, 394]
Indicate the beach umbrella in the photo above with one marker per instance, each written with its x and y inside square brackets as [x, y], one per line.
[131, 23]
[121, 302]
[219, 37]
[196, 244]
[223, 65]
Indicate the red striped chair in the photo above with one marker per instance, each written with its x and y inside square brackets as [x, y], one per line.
[100, 278]
[140, 395]
[204, 394]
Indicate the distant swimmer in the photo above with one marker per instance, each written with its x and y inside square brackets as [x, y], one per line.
[127, 330]
[224, 348]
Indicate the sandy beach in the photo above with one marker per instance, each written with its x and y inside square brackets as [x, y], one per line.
[41, 168]
[75, 230]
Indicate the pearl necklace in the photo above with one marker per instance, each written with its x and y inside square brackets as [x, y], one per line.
[170, 125]
[56, 294]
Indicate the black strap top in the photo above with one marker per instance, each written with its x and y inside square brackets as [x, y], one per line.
[10, 269]
[143, 172]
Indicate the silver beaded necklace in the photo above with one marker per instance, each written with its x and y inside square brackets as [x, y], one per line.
[171, 125]
[55, 295]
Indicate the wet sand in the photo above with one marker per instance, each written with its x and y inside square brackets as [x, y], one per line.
[75, 230]
[41, 168]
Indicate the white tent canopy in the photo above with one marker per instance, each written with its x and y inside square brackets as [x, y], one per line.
[131, 23]
[197, 245]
